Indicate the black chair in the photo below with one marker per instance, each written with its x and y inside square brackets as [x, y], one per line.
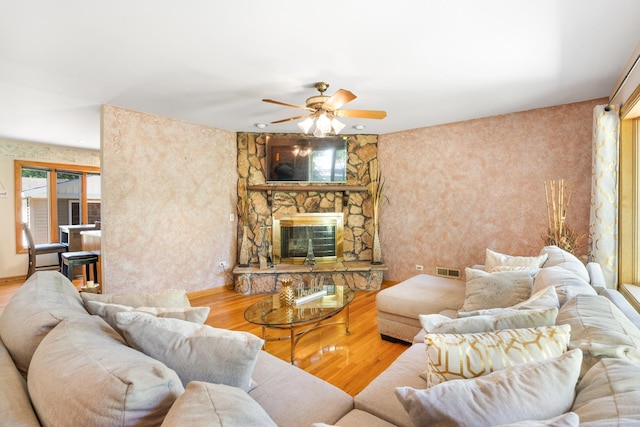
[86, 258]
[41, 249]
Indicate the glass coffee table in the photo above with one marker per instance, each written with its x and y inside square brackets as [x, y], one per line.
[298, 319]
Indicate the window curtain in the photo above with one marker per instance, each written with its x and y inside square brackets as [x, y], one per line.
[603, 225]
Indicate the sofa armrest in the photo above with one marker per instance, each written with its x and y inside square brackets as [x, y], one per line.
[596, 275]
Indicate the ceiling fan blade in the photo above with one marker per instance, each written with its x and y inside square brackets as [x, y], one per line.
[292, 118]
[361, 114]
[338, 99]
[286, 104]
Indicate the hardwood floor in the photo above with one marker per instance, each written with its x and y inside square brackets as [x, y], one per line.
[349, 362]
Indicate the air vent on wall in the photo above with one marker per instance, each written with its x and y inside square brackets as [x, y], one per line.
[448, 272]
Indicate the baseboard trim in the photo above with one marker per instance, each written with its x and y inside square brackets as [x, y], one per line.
[12, 279]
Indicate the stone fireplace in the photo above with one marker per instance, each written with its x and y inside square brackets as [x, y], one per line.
[271, 203]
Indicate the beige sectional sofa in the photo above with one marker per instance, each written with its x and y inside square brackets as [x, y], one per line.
[604, 330]
[62, 366]
[138, 361]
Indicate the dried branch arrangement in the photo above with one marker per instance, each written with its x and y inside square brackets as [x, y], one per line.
[377, 190]
[559, 233]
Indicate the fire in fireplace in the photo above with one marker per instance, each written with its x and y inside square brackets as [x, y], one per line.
[291, 235]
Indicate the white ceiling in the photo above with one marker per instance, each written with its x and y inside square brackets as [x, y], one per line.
[212, 62]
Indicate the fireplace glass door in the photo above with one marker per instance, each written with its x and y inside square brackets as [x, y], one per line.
[292, 234]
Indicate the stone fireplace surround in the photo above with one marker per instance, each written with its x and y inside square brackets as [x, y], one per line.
[268, 201]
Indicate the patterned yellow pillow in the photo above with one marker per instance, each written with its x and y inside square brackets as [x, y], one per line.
[460, 356]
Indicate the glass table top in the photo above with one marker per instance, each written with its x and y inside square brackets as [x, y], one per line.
[268, 312]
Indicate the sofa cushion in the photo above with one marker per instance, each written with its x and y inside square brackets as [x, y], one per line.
[310, 400]
[609, 394]
[566, 283]
[359, 418]
[15, 405]
[216, 405]
[518, 393]
[104, 381]
[463, 356]
[490, 290]
[378, 397]
[507, 319]
[421, 294]
[560, 257]
[45, 299]
[543, 298]
[164, 298]
[196, 352]
[495, 261]
[108, 312]
[599, 329]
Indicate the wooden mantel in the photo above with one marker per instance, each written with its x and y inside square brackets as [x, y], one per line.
[270, 188]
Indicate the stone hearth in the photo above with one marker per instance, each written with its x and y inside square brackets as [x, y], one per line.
[357, 275]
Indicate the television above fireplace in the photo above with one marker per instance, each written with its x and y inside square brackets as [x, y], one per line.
[306, 159]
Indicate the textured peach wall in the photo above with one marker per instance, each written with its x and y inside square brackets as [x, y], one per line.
[459, 188]
[168, 188]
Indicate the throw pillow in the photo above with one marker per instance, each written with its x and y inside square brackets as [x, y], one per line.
[195, 352]
[490, 290]
[569, 419]
[508, 319]
[560, 257]
[600, 329]
[544, 298]
[165, 298]
[495, 261]
[460, 356]
[567, 283]
[522, 392]
[205, 404]
[103, 379]
[108, 312]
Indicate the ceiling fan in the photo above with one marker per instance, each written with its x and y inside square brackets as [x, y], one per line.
[324, 109]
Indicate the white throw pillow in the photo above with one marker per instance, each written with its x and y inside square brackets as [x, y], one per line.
[495, 261]
[544, 298]
[84, 374]
[529, 391]
[567, 283]
[463, 356]
[209, 405]
[491, 290]
[108, 312]
[560, 257]
[165, 298]
[506, 319]
[569, 419]
[196, 352]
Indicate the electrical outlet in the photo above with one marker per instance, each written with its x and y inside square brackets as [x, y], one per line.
[222, 264]
[419, 267]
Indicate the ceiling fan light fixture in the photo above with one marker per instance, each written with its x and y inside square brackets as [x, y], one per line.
[337, 126]
[323, 123]
[318, 133]
[305, 125]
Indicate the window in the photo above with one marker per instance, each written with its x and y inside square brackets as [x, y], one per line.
[49, 195]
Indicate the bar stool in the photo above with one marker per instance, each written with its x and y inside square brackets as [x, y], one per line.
[41, 249]
[86, 258]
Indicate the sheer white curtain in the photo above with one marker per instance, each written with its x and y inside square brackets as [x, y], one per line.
[603, 225]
